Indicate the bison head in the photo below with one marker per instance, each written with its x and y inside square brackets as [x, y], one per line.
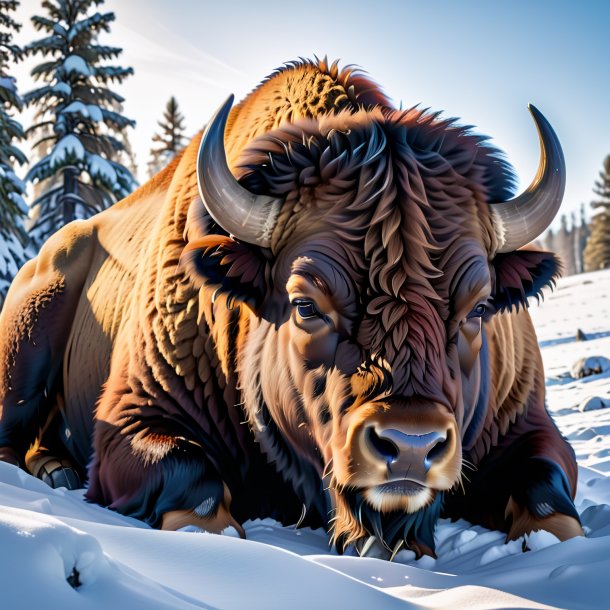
[369, 253]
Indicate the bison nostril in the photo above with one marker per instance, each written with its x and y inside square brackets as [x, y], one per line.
[384, 448]
[439, 450]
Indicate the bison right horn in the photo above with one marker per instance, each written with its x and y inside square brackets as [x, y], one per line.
[521, 220]
[246, 216]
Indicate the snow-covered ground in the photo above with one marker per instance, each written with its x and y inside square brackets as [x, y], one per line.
[50, 537]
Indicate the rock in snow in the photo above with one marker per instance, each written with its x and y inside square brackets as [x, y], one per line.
[590, 365]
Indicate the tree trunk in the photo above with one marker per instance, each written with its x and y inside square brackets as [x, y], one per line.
[69, 194]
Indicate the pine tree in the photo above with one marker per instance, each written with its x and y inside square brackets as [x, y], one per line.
[580, 240]
[548, 241]
[564, 246]
[13, 210]
[597, 251]
[574, 233]
[127, 156]
[171, 139]
[77, 127]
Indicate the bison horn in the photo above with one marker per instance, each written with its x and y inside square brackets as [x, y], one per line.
[522, 219]
[243, 214]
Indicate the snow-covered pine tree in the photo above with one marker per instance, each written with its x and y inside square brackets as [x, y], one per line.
[127, 156]
[547, 241]
[564, 246]
[597, 251]
[170, 141]
[574, 236]
[580, 240]
[77, 130]
[13, 210]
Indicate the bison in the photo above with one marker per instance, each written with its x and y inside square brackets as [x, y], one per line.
[317, 313]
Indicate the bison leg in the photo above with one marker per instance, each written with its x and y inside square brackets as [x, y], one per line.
[165, 480]
[47, 459]
[525, 483]
[542, 478]
[541, 500]
[56, 472]
[34, 326]
[210, 515]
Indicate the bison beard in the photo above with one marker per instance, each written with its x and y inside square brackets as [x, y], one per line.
[355, 297]
[395, 530]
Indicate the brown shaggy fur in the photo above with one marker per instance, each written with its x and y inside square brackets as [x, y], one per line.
[171, 334]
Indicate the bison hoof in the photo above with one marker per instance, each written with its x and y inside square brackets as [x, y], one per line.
[563, 527]
[372, 547]
[59, 473]
[216, 523]
[541, 501]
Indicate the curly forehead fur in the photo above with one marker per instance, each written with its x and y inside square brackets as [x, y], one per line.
[389, 192]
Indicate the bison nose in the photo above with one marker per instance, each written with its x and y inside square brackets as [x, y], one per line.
[407, 455]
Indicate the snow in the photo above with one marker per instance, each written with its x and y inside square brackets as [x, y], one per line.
[69, 147]
[581, 301]
[593, 403]
[8, 82]
[10, 249]
[10, 176]
[88, 111]
[75, 63]
[18, 200]
[77, 107]
[95, 113]
[101, 169]
[63, 88]
[58, 29]
[12, 256]
[45, 534]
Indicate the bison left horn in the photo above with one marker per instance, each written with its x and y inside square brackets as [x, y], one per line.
[243, 214]
[522, 219]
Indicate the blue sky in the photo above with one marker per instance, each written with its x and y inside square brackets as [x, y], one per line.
[481, 61]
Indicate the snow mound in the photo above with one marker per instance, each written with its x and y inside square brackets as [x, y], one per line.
[47, 560]
[594, 403]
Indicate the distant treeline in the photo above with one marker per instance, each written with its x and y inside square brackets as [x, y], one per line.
[585, 246]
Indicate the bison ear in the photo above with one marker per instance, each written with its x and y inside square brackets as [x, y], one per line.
[522, 274]
[236, 269]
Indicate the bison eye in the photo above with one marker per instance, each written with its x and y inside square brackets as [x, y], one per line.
[479, 311]
[306, 309]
